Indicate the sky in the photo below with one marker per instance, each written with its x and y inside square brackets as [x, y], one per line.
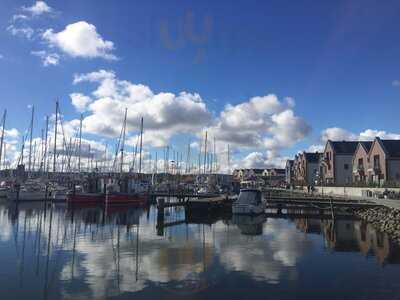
[268, 78]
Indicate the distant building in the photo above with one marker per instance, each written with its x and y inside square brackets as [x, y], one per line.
[384, 161]
[305, 167]
[361, 162]
[289, 172]
[338, 161]
[274, 176]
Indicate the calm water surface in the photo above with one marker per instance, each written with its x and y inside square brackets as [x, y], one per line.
[58, 253]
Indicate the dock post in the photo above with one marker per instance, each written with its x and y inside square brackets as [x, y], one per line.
[46, 191]
[18, 190]
[160, 217]
[332, 211]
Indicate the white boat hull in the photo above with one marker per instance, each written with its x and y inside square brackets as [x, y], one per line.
[27, 196]
[248, 209]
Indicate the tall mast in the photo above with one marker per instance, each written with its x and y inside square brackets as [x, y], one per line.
[156, 164]
[187, 167]
[88, 160]
[46, 169]
[141, 146]
[2, 136]
[215, 156]
[41, 151]
[4, 156]
[55, 139]
[123, 141]
[105, 159]
[80, 144]
[205, 153]
[30, 140]
[229, 160]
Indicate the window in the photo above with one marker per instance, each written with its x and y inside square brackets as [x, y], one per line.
[360, 163]
[376, 161]
[346, 166]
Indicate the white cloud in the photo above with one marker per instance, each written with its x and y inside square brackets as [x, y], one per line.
[26, 32]
[19, 17]
[165, 114]
[254, 160]
[316, 148]
[12, 133]
[262, 160]
[39, 8]
[48, 59]
[337, 134]
[261, 122]
[370, 134]
[80, 39]
[80, 101]
[340, 134]
[94, 76]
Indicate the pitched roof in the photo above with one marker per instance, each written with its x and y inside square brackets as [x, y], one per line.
[392, 148]
[344, 147]
[366, 145]
[280, 171]
[312, 157]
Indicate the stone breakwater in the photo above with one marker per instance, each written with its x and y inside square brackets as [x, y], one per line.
[384, 219]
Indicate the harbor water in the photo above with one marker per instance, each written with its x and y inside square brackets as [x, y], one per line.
[55, 252]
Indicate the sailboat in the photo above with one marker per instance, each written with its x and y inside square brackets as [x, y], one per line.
[135, 195]
[32, 189]
[113, 192]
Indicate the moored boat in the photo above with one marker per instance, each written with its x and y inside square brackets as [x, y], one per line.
[249, 202]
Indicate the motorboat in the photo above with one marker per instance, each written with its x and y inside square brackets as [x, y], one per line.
[28, 192]
[249, 202]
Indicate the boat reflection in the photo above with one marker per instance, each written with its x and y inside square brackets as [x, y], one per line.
[249, 225]
[353, 236]
[59, 253]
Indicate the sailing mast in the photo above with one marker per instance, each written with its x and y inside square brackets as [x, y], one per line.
[45, 164]
[205, 153]
[141, 146]
[55, 139]
[123, 141]
[80, 144]
[215, 156]
[229, 161]
[2, 136]
[30, 140]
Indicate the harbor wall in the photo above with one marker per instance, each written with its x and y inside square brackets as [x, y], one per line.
[359, 193]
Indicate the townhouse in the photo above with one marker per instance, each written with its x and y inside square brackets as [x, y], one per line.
[384, 162]
[338, 162]
[306, 167]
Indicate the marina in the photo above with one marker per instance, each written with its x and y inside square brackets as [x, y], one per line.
[54, 252]
[199, 150]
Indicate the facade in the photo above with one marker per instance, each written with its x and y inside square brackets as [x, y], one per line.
[384, 162]
[289, 172]
[361, 163]
[306, 168]
[337, 163]
[248, 174]
[274, 177]
[270, 176]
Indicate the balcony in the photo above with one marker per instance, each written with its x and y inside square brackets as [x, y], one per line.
[377, 170]
[359, 169]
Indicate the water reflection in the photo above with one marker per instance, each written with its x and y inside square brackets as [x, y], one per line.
[51, 252]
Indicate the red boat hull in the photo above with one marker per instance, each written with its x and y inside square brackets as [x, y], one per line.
[110, 199]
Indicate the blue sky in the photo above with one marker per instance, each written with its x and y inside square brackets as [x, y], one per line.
[338, 60]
